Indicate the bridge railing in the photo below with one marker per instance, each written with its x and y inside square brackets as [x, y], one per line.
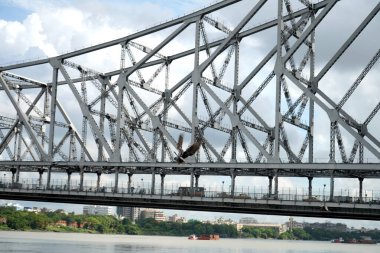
[209, 194]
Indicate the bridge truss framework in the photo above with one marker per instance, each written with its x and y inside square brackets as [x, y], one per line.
[131, 116]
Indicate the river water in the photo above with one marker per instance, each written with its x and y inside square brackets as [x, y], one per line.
[44, 242]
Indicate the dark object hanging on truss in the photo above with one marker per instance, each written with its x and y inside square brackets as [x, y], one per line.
[189, 151]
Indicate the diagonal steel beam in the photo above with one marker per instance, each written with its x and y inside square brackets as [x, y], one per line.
[84, 108]
[23, 118]
[333, 114]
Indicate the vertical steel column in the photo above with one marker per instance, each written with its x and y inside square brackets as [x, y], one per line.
[276, 184]
[270, 179]
[40, 172]
[98, 174]
[81, 178]
[233, 177]
[162, 184]
[52, 113]
[13, 170]
[48, 178]
[120, 82]
[115, 190]
[195, 79]
[152, 191]
[310, 187]
[279, 72]
[332, 186]
[332, 142]
[18, 174]
[314, 85]
[360, 189]
[101, 119]
[236, 99]
[192, 180]
[130, 182]
[69, 179]
[197, 180]
[53, 102]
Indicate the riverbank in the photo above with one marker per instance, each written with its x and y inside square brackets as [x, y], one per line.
[58, 221]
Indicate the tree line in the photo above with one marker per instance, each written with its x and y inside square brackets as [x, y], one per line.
[45, 220]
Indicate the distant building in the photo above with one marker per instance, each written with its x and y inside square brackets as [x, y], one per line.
[291, 224]
[158, 215]
[247, 220]
[280, 228]
[131, 213]
[176, 218]
[97, 210]
[32, 209]
[340, 227]
[15, 205]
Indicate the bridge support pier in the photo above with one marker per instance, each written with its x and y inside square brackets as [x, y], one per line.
[13, 170]
[40, 172]
[115, 190]
[233, 176]
[130, 182]
[162, 183]
[98, 173]
[310, 187]
[276, 185]
[81, 178]
[360, 189]
[192, 179]
[332, 187]
[197, 180]
[152, 190]
[48, 178]
[18, 174]
[270, 179]
[68, 180]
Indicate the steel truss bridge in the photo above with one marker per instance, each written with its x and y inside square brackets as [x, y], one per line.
[126, 118]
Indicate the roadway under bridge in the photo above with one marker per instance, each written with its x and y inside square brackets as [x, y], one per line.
[253, 116]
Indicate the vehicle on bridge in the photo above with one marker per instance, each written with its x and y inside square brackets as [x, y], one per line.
[188, 191]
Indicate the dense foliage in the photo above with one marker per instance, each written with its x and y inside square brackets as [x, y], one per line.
[50, 221]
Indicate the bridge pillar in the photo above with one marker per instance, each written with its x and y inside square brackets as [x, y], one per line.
[310, 187]
[276, 185]
[162, 183]
[332, 186]
[192, 180]
[130, 182]
[18, 174]
[98, 173]
[48, 178]
[270, 179]
[81, 178]
[68, 179]
[40, 172]
[13, 170]
[361, 189]
[197, 180]
[152, 191]
[233, 176]
[116, 179]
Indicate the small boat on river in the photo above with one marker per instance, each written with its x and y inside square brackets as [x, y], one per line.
[192, 237]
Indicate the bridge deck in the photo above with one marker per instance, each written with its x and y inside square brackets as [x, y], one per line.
[284, 204]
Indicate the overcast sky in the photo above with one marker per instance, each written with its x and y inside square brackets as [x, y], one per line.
[32, 29]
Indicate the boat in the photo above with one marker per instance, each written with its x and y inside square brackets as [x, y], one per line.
[339, 240]
[362, 240]
[192, 237]
[209, 237]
